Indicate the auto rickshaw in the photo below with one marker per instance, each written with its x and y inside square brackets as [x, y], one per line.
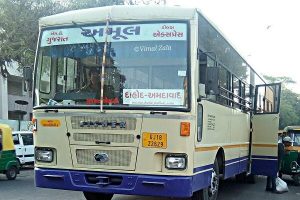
[9, 164]
[291, 161]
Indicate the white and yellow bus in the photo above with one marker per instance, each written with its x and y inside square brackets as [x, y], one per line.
[177, 107]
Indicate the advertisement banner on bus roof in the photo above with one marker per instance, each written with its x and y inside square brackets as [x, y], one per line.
[116, 33]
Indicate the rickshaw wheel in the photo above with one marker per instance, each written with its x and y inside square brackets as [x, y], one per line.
[296, 179]
[11, 173]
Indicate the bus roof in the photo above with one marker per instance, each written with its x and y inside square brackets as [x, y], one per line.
[130, 13]
[118, 12]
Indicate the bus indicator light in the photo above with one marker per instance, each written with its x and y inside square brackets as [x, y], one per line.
[185, 129]
[34, 124]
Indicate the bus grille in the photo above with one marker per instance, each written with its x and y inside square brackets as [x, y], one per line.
[114, 138]
[116, 157]
[95, 122]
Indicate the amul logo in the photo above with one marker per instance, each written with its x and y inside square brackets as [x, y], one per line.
[116, 32]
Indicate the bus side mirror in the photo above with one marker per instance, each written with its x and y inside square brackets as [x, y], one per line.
[212, 81]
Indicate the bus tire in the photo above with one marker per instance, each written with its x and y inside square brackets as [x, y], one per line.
[210, 193]
[97, 196]
[11, 173]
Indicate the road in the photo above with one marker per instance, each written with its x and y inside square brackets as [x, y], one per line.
[23, 189]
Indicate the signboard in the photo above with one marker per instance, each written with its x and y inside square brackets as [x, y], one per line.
[50, 122]
[153, 96]
[116, 33]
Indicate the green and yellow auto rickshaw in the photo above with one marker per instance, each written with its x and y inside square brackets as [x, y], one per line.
[9, 164]
[290, 164]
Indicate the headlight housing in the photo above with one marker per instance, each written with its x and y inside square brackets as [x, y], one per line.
[176, 161]
[44, 154]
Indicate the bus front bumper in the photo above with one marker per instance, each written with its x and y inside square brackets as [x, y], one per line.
[115, 183]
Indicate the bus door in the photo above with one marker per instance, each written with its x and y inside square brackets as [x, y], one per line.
[265, 125]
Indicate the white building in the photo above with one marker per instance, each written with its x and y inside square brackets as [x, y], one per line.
[15, 101]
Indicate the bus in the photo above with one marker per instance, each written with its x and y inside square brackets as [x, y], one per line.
[176, 109]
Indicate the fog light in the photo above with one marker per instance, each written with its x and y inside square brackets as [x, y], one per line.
[176, 161]
[44, 154]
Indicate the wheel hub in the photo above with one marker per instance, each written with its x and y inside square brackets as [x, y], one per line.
[12, 173]
[214, 183]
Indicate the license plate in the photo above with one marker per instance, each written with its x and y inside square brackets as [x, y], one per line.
[155, 140]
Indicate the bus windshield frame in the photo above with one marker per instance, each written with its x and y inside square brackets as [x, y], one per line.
[168, 53]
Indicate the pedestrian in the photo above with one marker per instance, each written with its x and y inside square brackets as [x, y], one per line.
[271, 180]
[287, 141]
[1, 146]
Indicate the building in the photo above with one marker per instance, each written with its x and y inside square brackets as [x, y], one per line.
[15, 99]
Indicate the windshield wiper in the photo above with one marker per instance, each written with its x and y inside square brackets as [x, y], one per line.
[81, 28]
[103, 63]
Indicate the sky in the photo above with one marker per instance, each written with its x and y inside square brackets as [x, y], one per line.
[265, 32]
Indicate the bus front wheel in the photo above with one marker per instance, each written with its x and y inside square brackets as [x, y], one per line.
[211, 192]
[97, 196]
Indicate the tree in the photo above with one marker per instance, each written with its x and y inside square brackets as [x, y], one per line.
[80, 4]
[19, 25]
[19, 28]
[282, 79]
[289, 102]
[146, 2]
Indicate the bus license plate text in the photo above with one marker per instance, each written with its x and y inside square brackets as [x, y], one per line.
[155, 140]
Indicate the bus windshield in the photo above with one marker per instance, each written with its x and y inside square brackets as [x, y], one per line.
[145, 65]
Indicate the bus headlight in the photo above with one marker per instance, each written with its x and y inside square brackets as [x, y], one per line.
[176, 161]
[44, 154]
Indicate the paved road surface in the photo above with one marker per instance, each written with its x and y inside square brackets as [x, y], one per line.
[23, 189]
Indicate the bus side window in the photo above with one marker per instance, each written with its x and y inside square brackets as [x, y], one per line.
[202, 68]
[66, 74]
[267, 98]
[199, 123]
[243, 95]
[225, 86]
[45, 74]
[236, 91]
[205, 61]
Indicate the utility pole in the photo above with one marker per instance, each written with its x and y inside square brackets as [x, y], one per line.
[3, 93]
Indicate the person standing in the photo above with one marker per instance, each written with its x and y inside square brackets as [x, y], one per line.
[1, 146]
[280, 157]
[271, 181]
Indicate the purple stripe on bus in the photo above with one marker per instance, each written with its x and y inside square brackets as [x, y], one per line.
[235, 160]
[235, 168]
[206, 167]
[202, 168]
[131, 184]
[265, 167]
